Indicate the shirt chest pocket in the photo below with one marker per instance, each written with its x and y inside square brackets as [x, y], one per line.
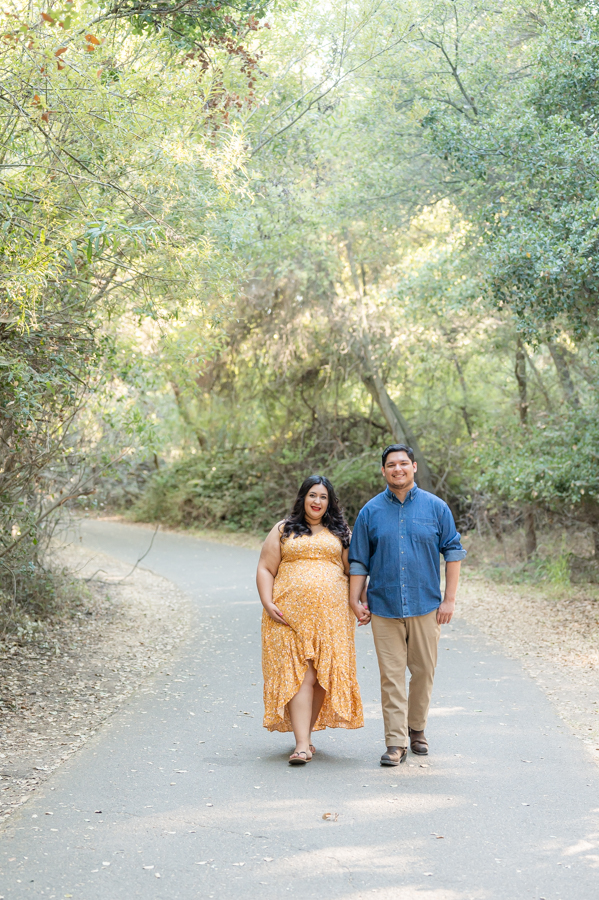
[425, 530]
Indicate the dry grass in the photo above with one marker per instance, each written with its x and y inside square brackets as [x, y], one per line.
[60, 685]
[552, 628]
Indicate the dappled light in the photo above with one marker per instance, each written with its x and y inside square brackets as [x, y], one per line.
[243, 243]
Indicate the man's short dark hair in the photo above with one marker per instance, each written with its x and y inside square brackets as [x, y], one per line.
[396, 448]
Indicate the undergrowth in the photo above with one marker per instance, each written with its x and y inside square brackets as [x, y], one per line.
[240, 490]
[32, 594]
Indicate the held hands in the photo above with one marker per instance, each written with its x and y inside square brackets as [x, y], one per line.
[445, 612]
[275, 613]
[361, 612]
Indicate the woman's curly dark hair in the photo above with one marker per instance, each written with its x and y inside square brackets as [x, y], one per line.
[295, 524]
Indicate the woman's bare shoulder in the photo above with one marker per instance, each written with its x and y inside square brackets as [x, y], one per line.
[276, 530]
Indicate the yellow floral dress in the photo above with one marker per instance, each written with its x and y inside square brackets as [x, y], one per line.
[311, 590]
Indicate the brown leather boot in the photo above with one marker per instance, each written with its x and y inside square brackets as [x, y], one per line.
[418, 742]
[394, 756]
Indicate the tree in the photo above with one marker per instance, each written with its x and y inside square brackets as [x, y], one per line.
[117, 163]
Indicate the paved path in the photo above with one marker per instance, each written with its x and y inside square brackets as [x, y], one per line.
[184, 795]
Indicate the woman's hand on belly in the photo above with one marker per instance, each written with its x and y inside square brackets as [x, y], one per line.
[274, 612]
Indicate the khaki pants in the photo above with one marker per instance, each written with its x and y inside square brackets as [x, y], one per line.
[399, 643]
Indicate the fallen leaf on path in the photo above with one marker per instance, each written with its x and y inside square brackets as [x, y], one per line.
[330, 817]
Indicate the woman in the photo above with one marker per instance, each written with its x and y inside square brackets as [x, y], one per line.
[308, 653]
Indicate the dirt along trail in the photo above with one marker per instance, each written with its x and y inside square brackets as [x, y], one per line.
[182, 794]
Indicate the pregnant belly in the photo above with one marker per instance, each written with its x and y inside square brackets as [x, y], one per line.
[312, 583]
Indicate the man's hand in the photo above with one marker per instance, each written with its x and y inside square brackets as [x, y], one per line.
[357, 598]
[445, 612]
[447, 608]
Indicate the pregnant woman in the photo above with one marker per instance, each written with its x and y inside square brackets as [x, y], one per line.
[308, 652]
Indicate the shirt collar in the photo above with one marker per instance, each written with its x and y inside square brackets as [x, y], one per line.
[409, 496]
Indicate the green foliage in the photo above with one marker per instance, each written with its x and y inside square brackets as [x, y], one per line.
[249, 490]
[34, 594]
[254, 252]
[412, 187]
[553, 464]
[557, 568]
[116, 165]
[530, 153]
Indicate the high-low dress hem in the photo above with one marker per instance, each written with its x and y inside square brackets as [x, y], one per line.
[311, 590]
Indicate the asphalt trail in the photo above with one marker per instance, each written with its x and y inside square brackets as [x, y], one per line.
[184, 795]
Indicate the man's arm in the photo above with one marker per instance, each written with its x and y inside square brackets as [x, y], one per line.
[452, 577]
[454, 553]
[359, 564]
[360, 610]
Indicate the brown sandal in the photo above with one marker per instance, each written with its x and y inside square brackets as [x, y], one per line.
[312, 749]
[299, 758]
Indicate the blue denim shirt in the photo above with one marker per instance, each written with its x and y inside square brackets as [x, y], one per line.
[399, 545]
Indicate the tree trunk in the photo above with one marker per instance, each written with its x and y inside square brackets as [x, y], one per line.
[539, 380]
[520, 373]
[398, 427]
[530, 531]
[465, 413]
[371, 378]
[184, 413]
[563, 373]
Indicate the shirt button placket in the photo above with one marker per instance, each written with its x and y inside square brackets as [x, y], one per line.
[402, 585]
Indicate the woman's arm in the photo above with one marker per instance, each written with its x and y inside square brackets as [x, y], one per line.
[345, 560]
[268, 566]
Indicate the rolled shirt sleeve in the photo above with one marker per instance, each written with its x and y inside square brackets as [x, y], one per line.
[359, 548]
[357, 568]
[450, 541]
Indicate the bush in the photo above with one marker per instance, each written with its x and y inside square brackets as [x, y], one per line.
[249, 490]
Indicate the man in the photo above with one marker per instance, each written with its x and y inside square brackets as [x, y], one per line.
[397, 540]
